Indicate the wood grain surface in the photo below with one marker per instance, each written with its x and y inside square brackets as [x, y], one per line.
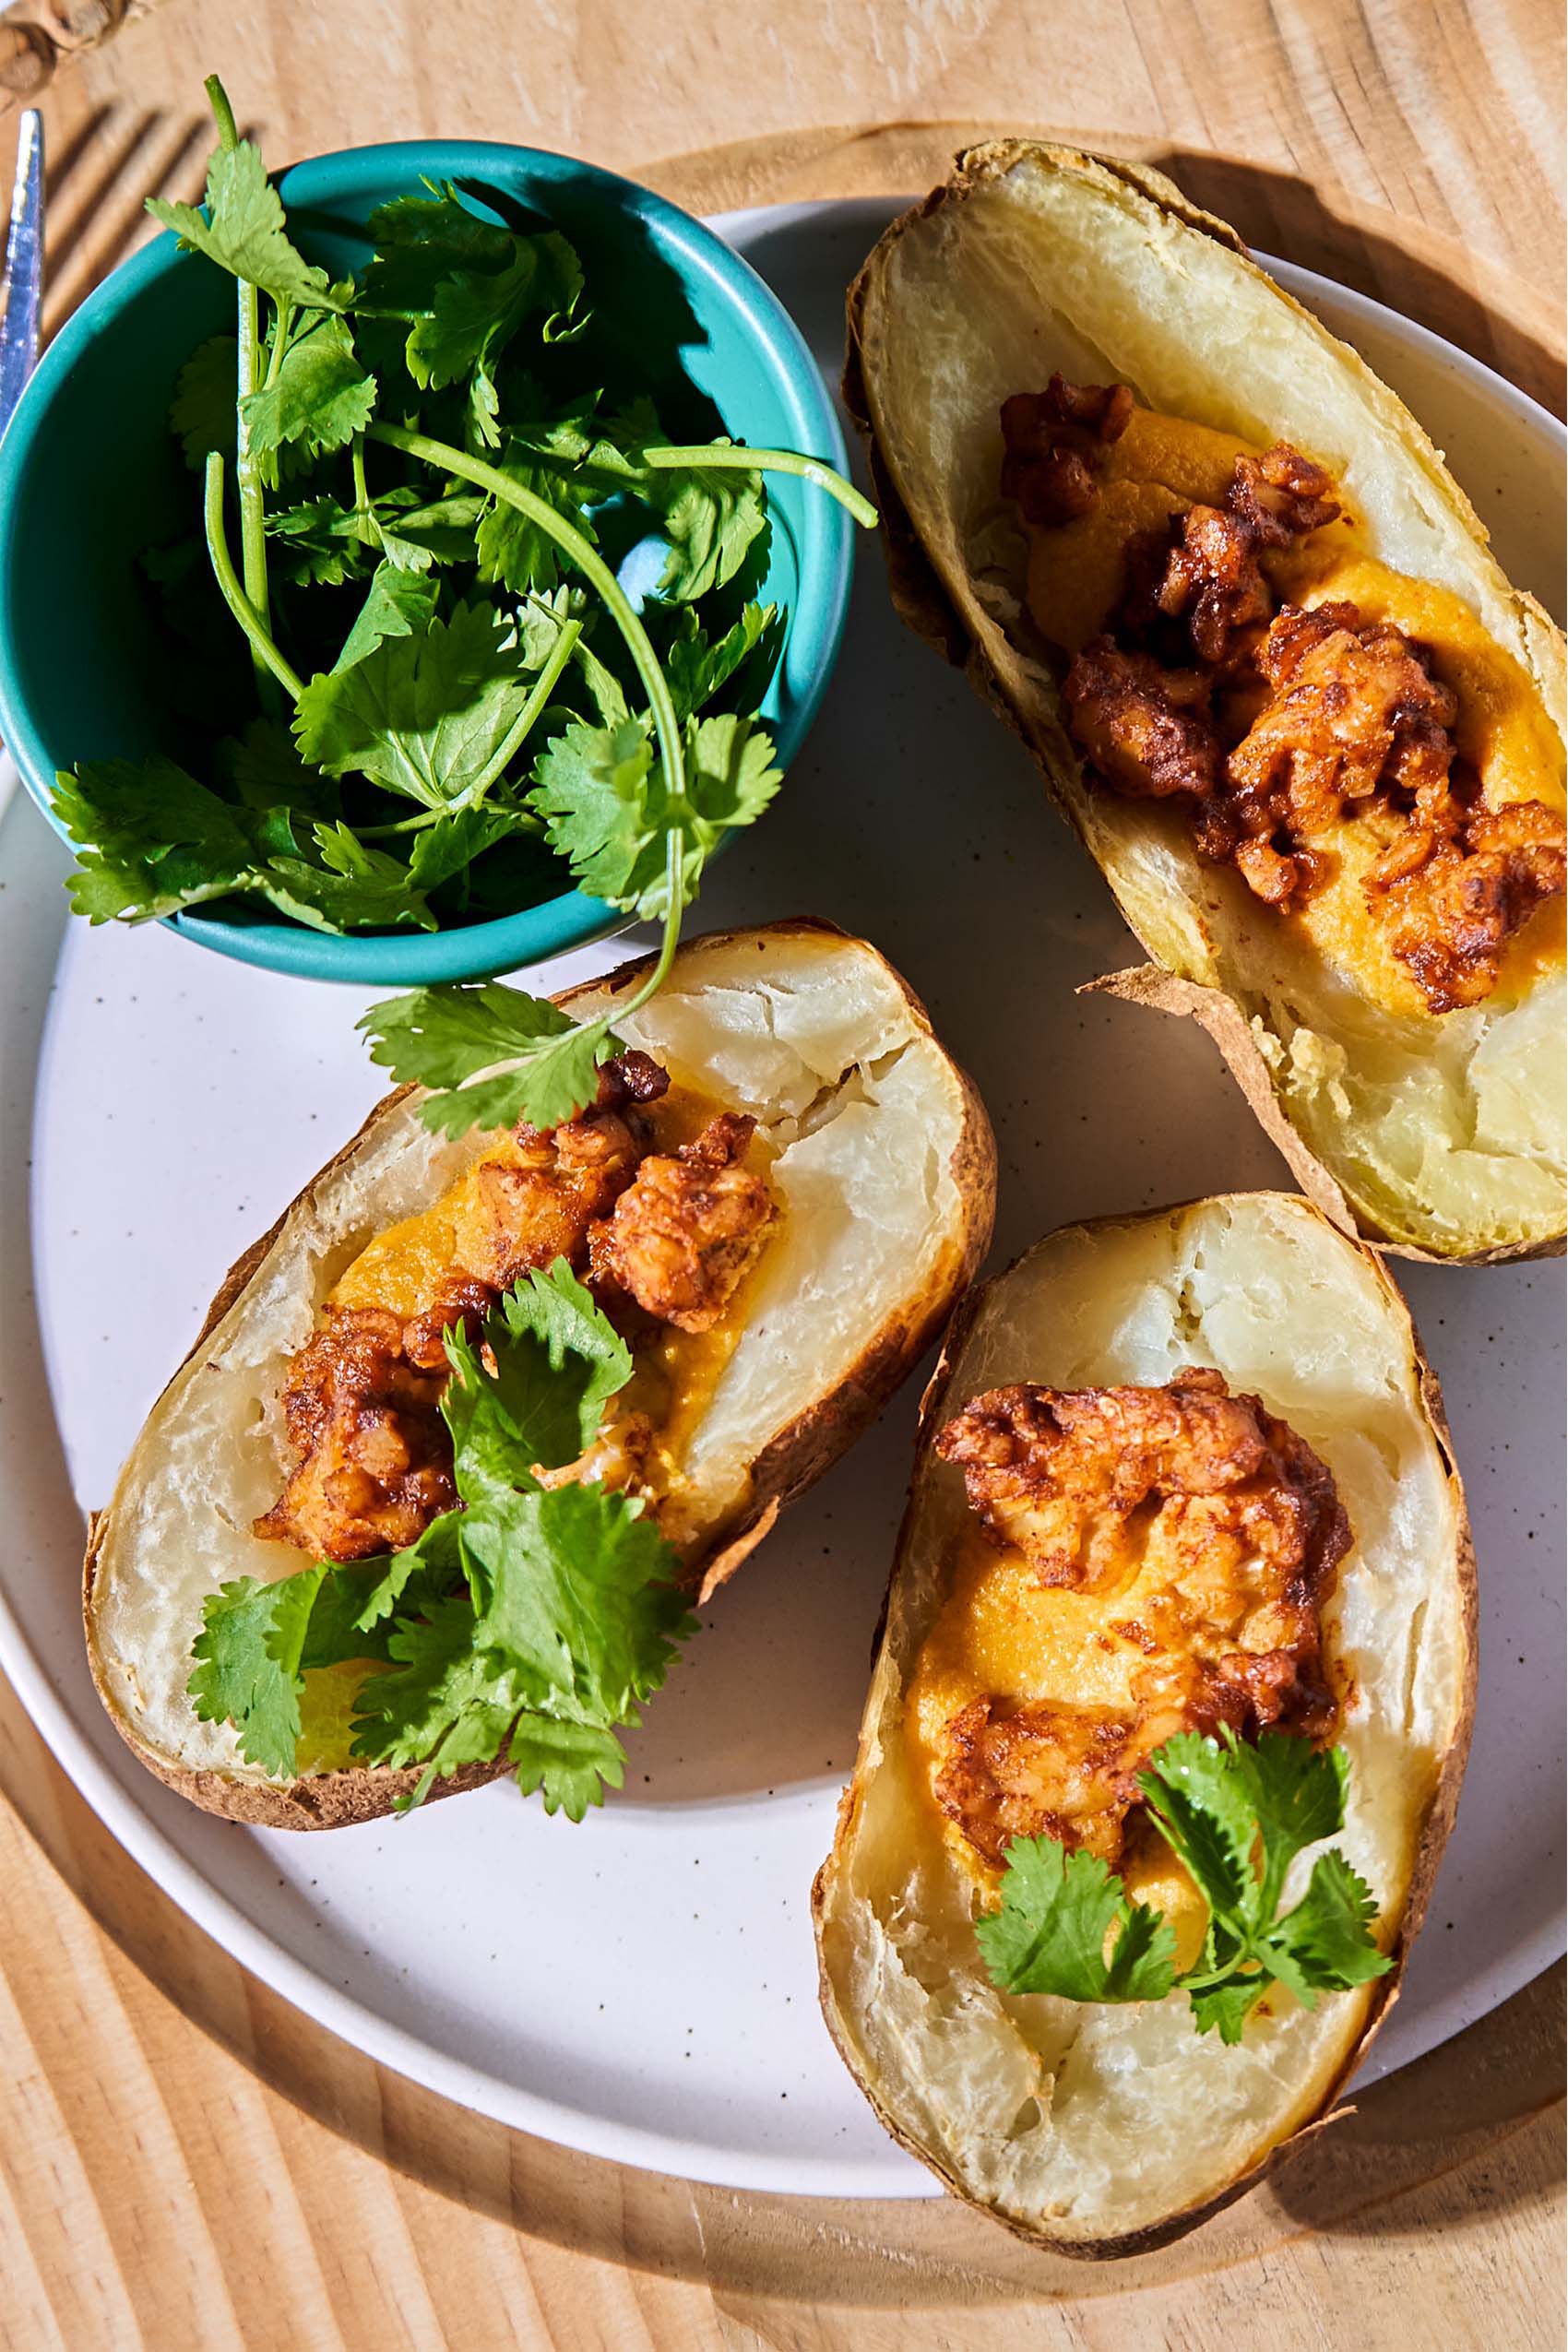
[186, 2161]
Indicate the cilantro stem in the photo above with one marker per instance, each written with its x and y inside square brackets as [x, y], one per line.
[223, 113]
[1245, 1963]
[528, 718]
[253, 511]
[674, 891]
[668, 458]
[263, 651]
[280, 341]
[586, 559]
[365, 512]
[506, 751]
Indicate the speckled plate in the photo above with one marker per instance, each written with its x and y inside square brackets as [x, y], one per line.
[643, 1987]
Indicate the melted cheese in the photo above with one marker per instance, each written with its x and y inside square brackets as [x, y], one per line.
[1502, 732]
[1159, 468]
[407, 1267]
[1162, 465]
[1002, 1631]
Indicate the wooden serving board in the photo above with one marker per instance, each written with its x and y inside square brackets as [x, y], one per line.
[186, 2160]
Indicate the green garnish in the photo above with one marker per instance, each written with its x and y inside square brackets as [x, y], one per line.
[435, 500]
[531, 1623]
[1236, 1814]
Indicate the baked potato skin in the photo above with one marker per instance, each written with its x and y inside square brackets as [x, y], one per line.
[1442, 1808]
[924, 602]
[793, 1461]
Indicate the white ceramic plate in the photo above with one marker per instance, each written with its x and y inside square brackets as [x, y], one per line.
[643, 1987]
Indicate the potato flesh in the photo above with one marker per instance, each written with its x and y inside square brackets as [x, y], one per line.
[1055, 261]
[1090, 2122]
[865, 1115]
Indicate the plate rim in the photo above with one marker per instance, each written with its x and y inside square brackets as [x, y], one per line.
[352, 2020]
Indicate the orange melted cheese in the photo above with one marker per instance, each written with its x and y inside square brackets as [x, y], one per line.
[407, 1267]
[1001, 1630]
[1162, 465]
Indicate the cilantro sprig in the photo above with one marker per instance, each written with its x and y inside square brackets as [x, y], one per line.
[1235, 1813]
[531, 1623]
[439, 504]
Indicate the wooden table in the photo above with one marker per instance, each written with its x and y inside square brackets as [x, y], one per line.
[185, 2161]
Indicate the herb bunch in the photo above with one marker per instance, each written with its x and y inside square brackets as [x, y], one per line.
[449, 688]
[1235, 1813]
[529, 1623]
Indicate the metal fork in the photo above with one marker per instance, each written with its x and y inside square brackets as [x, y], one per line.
[22, 278]
[21, 284]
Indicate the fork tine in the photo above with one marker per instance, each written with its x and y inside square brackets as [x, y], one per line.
[24, 266]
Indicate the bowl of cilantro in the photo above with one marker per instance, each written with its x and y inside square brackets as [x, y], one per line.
[418, 566]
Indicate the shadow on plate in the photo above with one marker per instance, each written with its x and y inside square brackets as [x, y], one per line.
[1438, 2145]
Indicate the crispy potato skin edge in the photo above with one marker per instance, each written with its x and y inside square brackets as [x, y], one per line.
[923, 601]
[795, 1459]
[1439, 1821]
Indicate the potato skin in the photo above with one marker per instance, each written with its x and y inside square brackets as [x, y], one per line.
[1438, 1822]
[922, 600]
[797, 1456]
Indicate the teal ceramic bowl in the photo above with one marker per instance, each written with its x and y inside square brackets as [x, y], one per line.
[89, 476]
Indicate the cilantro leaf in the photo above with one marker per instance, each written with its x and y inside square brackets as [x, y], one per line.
[1225, 2008]
[435, 1557]
[1050, 1935]
[355, 886]
[1202, 1806]
[442, 1038]
[579, 1601]
[609, 811]
[259, 1641]
[572, 1764]
[317, 397]
[424, 716]
[558, 1360]
[248, 1656]
[541, 620]
[697, 665]
[416, 532]
[399, 603]
[604, 689]
[468, 284]
[594, 787]
[155, 841]
[419, 241]
[474, 313]
[1327, 1936]
[261, 769]
[322, 542]
[571, 1618]
[1236, 1814]
[560, 1074]
[444, 1703]
[203, 413]
[449, 1039]
[342, 1626]
[244, 233]
[511, 546]
[711, 518]
[151, 839]
[1297, 1795]
[451, 844]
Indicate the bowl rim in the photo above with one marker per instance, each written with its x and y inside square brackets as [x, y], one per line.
[532, 934]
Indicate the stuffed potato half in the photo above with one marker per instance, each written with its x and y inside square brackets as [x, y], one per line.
[1433, 1122]
[880, 1166]
[1101, 2128]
